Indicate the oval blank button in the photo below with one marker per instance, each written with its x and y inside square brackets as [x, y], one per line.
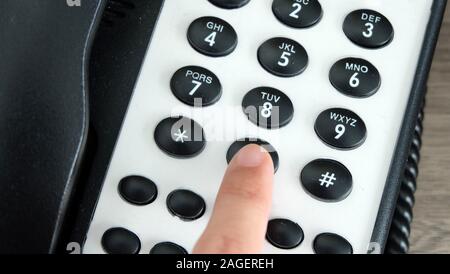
[329, 243]
[138, 190]
[284, 234]
[186, 205]
[120, 241]
[327, 180]
[168, 248]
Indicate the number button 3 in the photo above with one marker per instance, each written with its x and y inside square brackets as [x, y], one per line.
[368, 28]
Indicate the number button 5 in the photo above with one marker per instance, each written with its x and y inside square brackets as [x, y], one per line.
[283, 57]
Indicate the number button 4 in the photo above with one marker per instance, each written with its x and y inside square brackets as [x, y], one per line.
[212, 36]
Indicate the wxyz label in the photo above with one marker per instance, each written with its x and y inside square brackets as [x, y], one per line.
[343, 119]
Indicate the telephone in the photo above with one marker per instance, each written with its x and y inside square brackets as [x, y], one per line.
[92, 159]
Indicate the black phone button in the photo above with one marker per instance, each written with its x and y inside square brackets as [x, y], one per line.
[230, 4]
[341, 128]
[268, 107]
[327, 180]
[138, 190]
[298, 13]
[186, 205]
[283, 57]
[212, 36]
[168, 248]
[120, 241]
[284, 234]
[196, 86]
[368, 28]
[180, 137]
[328, 243]
[239, 144]
[355, 77]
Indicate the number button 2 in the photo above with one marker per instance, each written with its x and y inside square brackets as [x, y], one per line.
[341, 128]
[297, 13]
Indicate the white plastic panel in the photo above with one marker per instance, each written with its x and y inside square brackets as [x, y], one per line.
[297, 144]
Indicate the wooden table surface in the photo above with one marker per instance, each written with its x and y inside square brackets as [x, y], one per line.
[431, 225]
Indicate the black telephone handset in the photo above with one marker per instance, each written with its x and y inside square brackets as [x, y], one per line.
[68, 69]
[44, 116]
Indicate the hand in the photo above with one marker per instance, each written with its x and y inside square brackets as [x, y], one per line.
[240, 216]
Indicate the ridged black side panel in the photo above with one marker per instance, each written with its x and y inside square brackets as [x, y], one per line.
[399, 162]
[398, 239]
[43, 116]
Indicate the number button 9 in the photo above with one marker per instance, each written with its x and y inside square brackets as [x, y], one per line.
[341, 128]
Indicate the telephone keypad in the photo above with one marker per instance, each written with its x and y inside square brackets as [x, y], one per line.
[312, 57]
[298, 13]
[120, 241]
[268, 107]
[230, 4]
[212, 36]
[327, 180]
[355, 77]
[341, 128]
[196, 86]
[283, 57]
[284, 234]
[368, 29]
